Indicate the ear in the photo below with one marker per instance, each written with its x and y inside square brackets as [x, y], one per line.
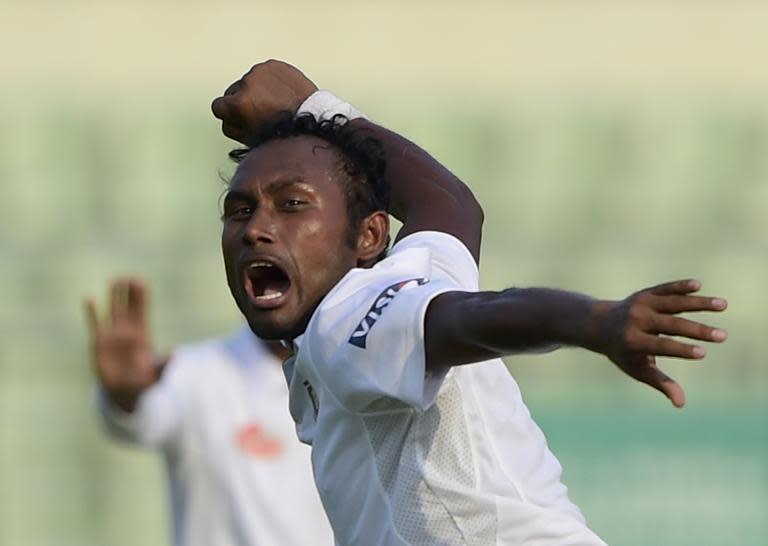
[372, 237]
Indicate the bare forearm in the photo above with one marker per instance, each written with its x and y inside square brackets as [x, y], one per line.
[484, 325]
[426, 195]
[528, 319]
[410, 170]
[421, 188]
[463, 327]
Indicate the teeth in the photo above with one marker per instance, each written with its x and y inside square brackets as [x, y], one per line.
[260, 264]
[270, 296]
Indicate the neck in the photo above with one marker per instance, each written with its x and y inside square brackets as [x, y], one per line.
[277, 349]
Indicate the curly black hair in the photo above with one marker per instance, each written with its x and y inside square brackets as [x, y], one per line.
[362, 159]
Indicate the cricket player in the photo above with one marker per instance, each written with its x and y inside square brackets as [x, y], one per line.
[419, 434]
[217, 411]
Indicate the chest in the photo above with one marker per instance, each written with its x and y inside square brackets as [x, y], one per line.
[237, 416]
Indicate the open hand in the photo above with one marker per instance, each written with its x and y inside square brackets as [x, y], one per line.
[265, 91]
[635, 331]
[121, 349]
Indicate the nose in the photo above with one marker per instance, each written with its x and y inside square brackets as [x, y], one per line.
[260, 228]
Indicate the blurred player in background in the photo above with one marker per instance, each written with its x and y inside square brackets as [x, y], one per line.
[217, 410]
[419, 434]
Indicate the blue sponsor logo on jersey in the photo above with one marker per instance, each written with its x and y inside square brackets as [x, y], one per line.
[360, 335]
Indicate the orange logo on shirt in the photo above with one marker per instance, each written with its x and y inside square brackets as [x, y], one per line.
[256, 442]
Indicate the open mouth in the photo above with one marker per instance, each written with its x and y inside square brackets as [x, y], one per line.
[266, 284]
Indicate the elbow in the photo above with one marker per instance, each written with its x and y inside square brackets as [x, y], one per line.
[475, 209]
[468, 204]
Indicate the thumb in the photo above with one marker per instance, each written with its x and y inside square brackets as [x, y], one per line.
[95, 333]
[92, 318]
[660, 381]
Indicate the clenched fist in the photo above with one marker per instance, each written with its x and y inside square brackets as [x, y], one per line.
[254, 100]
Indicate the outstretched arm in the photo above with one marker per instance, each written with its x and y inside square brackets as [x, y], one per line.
[424, 194]
[462, 327]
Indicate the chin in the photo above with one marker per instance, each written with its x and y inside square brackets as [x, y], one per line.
[271, 329]
[268, 331]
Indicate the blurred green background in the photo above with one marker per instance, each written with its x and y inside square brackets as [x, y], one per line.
[614, 145]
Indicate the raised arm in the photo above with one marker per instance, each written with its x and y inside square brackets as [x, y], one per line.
[121, 347]
[462, 327]
[424, 194]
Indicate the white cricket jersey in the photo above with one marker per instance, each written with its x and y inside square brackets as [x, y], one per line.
[405, 457]
[238, 477]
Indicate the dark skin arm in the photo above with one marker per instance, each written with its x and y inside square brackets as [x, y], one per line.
[463, 327]
[424, 194]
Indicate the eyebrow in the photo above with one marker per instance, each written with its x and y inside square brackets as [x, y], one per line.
[277, 185]
[285, 182]
[235, 194]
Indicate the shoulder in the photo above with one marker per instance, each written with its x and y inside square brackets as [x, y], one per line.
[365, 341]
[239, 347]
[422, 256]
[397, 289]
[448, 257]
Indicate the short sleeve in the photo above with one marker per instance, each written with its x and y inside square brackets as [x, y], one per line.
[366, 340]
[450, 259]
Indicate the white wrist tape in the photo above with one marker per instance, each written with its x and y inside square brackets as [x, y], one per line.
[323, 105]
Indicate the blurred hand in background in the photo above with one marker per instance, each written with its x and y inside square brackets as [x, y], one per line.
[121, 345]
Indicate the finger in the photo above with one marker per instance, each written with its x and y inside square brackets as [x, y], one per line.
[683, 304]
[234, 88]
[686, 286]
[137, 304]
[664, 346]
[118, 300]
[676, 326]
[660, 381]
[92, 318]
[221, 107]
[230, 109]
[235, 133]
[227, 110]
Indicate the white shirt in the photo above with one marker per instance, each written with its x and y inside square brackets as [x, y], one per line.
[237, 474]
[402, 456]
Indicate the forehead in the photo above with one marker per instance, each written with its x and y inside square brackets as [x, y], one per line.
[306, 158]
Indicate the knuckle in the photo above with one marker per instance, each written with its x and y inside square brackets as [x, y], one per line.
[218, 108]
[239, 102]
[271, 64]
[228, 131]
[253, 72]
[636, 312]
[630, 339]
[654, 322]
